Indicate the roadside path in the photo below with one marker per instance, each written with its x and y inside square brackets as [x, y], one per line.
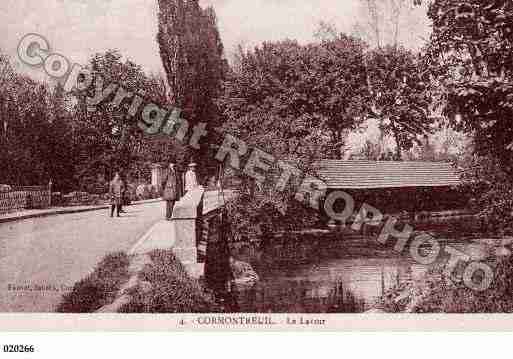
[47, 255]
[36, 213]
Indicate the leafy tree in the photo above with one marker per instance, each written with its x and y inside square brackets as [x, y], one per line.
[297, 103]
[284, 96]
[6, 81]
[35, 145]
[107, 138]
[28, 133]
[470, 55]
[400, 97]
[61, 167]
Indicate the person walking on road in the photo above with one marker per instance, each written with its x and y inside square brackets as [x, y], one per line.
[170, 194]
[116, 188]
[191, 181]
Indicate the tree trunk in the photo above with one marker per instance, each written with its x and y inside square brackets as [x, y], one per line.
[398, 152]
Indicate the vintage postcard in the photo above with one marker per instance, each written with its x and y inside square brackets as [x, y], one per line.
[268, 165]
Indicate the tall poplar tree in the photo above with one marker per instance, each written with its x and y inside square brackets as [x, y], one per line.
[192, 56]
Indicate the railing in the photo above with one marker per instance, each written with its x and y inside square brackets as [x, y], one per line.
[20, 198]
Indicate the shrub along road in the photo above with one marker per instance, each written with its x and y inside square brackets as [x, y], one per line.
[41, 258]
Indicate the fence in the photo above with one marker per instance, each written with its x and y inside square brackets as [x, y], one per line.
[20, 198]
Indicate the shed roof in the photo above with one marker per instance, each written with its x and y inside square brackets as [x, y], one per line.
[386, 174]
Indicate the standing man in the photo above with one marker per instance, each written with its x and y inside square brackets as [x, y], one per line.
[170, 190]
[191, 181]
[116, 189]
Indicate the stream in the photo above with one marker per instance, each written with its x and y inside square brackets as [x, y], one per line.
[323, 275]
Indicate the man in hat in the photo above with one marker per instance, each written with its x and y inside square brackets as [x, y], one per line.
[191, 181]
[116, 188]
[170, 194]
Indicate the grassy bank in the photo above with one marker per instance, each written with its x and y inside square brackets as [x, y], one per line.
[99, 288]
[167, 288]
[163, 287]
[437, 294]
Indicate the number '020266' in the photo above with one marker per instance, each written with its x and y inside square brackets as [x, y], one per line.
[9, 348]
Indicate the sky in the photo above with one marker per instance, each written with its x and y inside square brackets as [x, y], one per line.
[79, 28]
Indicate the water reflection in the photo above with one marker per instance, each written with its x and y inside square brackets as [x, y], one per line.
[341, 285]
[342, 279]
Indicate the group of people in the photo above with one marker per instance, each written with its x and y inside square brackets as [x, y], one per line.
[172, 189]
[172, 186]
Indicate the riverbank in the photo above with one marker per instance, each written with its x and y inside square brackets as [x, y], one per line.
[436, 292]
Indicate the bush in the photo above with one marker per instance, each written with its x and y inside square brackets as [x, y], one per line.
[172, 290]
[450, 297]
[442, 295]
[99, 288]
[253, 216]
[491, 191]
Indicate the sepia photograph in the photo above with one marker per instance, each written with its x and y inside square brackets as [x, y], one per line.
[267, 164]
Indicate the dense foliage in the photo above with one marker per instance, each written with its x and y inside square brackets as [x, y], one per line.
[470, 55]
[470, 60]
[107, 138]
[288, 99]
[172, 290]
[47, 134]
[437, 293]
[297, 103]
[491, 191]
[36, 134]
[400, 96]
